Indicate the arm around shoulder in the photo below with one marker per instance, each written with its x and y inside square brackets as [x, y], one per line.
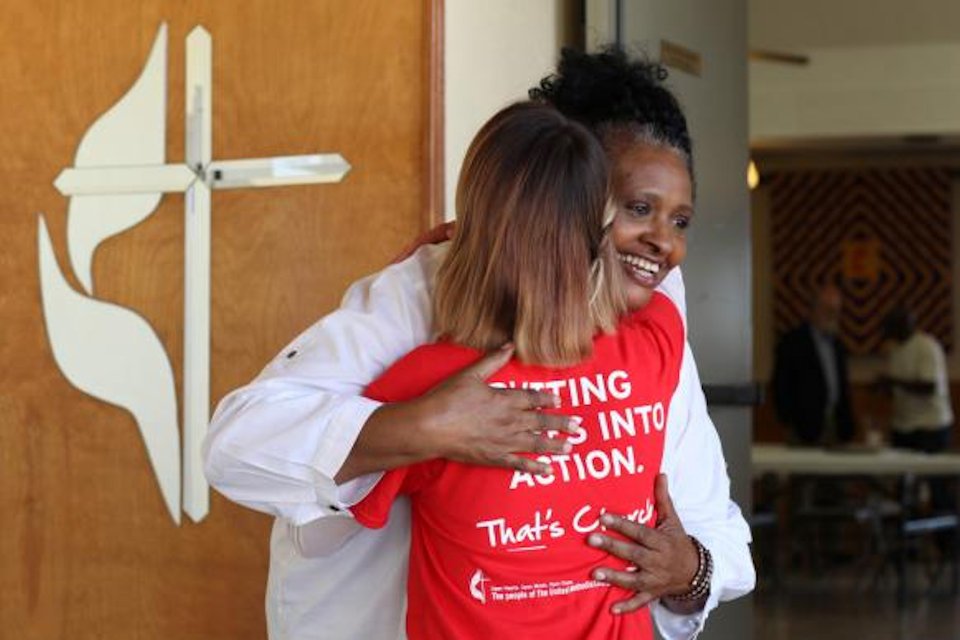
[700, 490]
[276, 444]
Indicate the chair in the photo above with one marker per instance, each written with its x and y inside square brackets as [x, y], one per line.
[905, 526]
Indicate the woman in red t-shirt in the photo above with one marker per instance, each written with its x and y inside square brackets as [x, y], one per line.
[498, 553]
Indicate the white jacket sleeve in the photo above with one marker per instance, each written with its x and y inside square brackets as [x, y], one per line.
[700, 489]
[276, 444]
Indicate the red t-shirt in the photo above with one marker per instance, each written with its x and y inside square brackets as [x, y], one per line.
[497, 553]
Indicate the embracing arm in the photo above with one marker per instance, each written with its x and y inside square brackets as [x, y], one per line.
[695, 502]
[276, 444]
[282, 443]
[700, 490]
[461, 419]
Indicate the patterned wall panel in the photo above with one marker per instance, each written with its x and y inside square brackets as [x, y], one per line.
[883, 235]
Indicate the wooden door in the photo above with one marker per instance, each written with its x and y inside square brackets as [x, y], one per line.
[88, 549]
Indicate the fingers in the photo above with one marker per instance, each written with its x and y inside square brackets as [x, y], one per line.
[625, 579]
[541, 399]
[638, 533]
[519, 399]
[527, 465]
[538, 444]
[524, 408]
[541, 444]
[527, 406]
[440, 233]
[496, 424]
[629, 581]
[636, 602]
[530, 399]
[664, 504]
[665, 560]
[548, 422]
[490, 363]
[448, 229]
[623, 549]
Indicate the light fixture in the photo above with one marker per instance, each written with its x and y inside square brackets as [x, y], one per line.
[753, 176]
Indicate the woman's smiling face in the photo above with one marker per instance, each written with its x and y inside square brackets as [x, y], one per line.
[653, 195]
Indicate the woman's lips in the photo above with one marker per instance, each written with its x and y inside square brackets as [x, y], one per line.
[644, 272]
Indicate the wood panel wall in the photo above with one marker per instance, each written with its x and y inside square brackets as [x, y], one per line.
[844, 227]
[87, 549]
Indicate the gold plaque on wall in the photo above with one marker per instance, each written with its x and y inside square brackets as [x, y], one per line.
[679, 57]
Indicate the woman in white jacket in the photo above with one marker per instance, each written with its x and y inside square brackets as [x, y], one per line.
[300, 443]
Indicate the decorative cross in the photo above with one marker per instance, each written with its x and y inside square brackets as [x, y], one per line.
[195, 178]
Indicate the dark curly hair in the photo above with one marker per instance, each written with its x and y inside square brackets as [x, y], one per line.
[616, 96]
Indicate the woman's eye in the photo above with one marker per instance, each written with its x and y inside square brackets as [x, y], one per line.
[639, 208]
[681, 222]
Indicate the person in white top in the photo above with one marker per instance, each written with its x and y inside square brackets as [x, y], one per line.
[917, 377]
[921, 416]
[299, 442]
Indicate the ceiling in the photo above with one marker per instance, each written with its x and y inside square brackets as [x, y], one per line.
[800, 24]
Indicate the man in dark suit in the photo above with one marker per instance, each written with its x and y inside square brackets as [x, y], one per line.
[810, 384]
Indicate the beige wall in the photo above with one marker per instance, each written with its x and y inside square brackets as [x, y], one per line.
[495, 50]
[858, 92]
[828, 23]
[877, 68]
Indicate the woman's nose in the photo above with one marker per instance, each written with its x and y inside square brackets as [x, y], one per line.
[659, 237]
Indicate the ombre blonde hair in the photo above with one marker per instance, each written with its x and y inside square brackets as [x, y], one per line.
[532, 261]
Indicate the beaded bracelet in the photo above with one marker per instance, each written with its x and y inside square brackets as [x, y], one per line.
[700, 585]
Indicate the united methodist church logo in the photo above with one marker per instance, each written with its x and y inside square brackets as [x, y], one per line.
[119, 176]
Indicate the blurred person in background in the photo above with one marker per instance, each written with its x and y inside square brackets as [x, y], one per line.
[810, 382]
[921, 415]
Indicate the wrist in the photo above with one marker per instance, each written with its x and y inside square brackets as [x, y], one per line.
[693, 564]
[393, 436]
[426, 440]
[698, 588]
